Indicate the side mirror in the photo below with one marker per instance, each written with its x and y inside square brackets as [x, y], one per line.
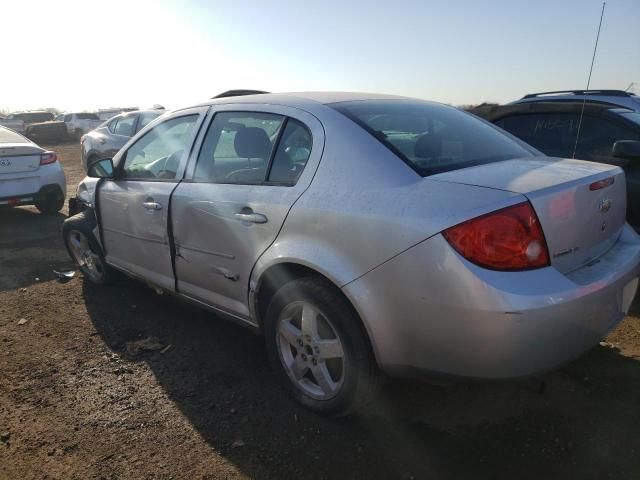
[101, 169]
[626, 149]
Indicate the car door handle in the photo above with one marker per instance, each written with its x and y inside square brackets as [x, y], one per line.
[251, 217]
[152, 205]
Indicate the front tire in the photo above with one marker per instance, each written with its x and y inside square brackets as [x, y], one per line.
[319, 349]
[84, 249]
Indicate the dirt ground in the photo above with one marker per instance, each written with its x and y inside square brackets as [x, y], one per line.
[75, 405]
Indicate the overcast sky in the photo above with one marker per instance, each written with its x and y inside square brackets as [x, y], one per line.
[93, 54]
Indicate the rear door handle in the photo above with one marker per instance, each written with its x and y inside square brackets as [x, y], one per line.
[152, 205]
[251, 217]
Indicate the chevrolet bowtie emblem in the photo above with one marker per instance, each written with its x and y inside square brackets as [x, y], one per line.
[605, 205]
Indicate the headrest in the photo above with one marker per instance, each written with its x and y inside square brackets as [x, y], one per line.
[428, 146]
[252, 142]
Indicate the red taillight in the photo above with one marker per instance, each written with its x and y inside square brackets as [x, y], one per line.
[507, 239]
[601, 183]
[48, 157]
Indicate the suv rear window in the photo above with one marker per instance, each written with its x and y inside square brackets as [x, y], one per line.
[432, 138]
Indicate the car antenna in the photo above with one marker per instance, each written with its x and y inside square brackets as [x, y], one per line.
[584, 100]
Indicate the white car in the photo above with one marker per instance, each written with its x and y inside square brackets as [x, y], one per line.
[29, 174]
[79, 123]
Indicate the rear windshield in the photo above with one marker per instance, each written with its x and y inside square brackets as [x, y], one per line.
[87, 116]
[432, 138]
[9, 136]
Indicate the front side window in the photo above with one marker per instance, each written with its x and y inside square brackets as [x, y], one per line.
[157, 155]
[432, 138]
[238, 147]
[67, 118]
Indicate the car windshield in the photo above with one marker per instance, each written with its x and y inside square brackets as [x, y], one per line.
[87, 116]
[432, 138]
[633, 116]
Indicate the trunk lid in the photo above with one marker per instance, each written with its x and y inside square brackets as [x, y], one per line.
[580, 221]
[19, 158]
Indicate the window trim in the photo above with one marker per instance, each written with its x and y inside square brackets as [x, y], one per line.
[187, 150]
[274, 150]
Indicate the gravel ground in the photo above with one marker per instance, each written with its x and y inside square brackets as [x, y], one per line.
[75, 404]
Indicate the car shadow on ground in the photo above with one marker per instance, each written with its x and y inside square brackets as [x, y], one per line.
[578, 422]
[31, 247]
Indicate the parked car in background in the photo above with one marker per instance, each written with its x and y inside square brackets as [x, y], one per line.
[363, 232]
[105, 141]
[16, 125]
[618, 98]
[79, 123]
[108, 113]
[608, 134]
[40, 126]
[29, 174]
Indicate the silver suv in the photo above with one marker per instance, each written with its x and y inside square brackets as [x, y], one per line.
[366, 233]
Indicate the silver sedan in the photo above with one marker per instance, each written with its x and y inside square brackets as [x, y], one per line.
[366, 234]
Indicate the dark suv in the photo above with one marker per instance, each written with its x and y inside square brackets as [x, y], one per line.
[608, 134]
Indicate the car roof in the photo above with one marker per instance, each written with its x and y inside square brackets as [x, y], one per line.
[300, 99]
[135, 112]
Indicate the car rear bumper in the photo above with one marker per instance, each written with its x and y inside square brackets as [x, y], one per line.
[429, 309]
[32, 198]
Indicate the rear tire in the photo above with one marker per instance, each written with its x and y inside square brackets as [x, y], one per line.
[319, 349]
[51, 202]
[84, 249]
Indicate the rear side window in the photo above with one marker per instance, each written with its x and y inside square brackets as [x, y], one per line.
[238, 147]
[157, 154]
[555, 134]
[292, 153]
[432, 138]
[124, 126]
